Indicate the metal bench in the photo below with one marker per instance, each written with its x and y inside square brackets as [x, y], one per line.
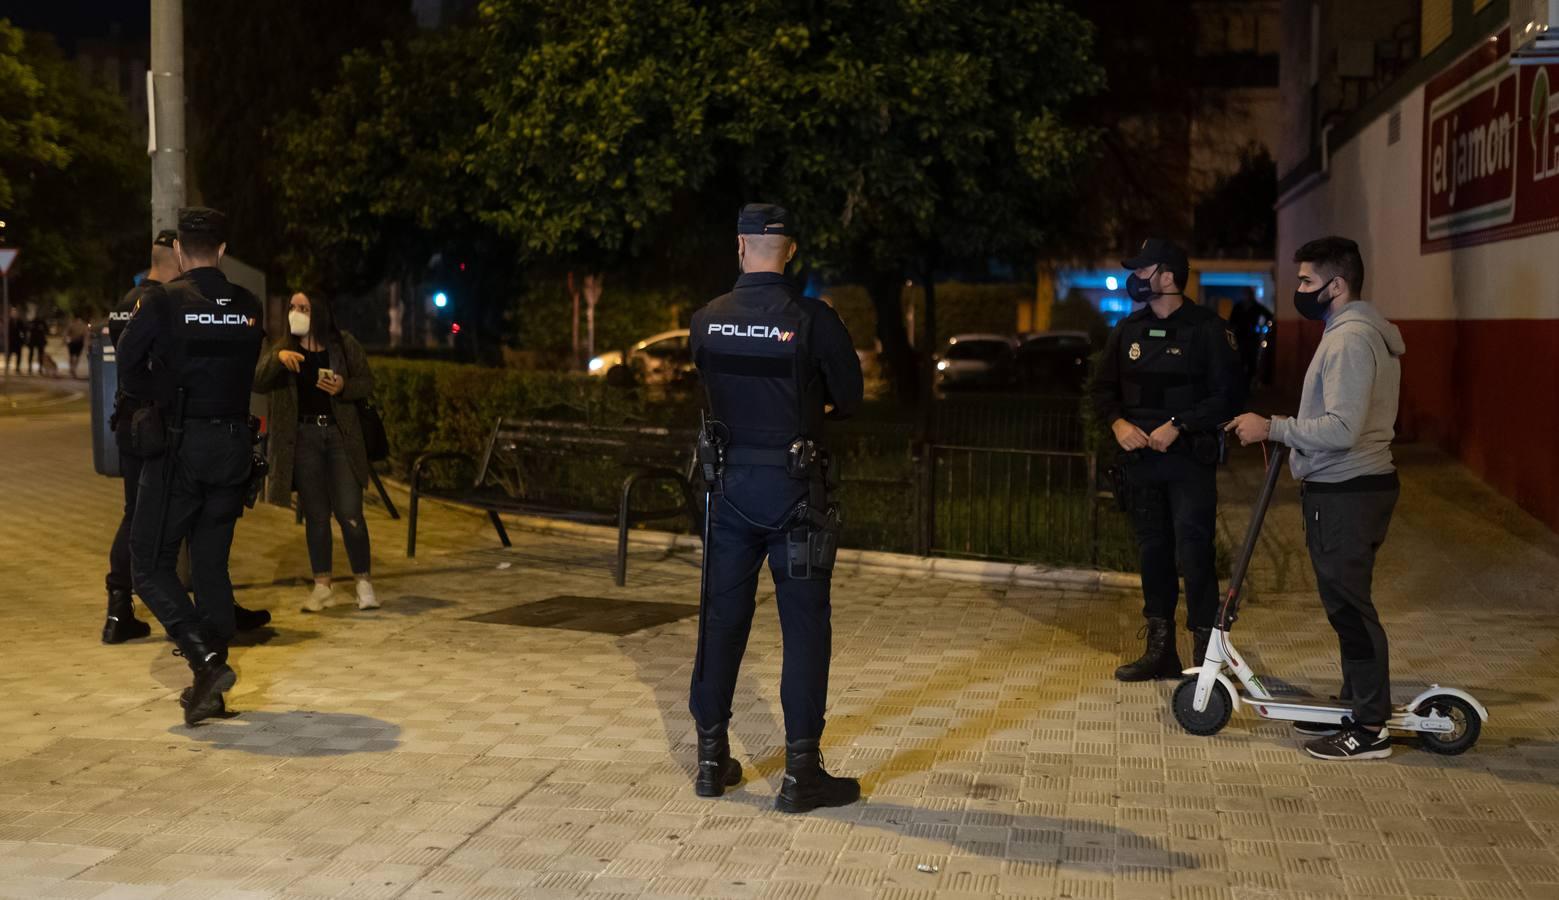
[510, 478]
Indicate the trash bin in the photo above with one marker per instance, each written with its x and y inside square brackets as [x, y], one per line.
[103, 373]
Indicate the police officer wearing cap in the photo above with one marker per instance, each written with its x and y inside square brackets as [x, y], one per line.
[1170, 377]
[772, 363]
[196, 340]
[122, 625]
[134, 393]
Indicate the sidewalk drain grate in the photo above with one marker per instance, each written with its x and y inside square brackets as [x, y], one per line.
[601, 615]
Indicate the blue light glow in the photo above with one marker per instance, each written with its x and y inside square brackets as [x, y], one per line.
[1112, 283]
[441, 299]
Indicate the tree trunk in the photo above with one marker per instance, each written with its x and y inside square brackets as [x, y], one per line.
[592, 297]
[886, 289]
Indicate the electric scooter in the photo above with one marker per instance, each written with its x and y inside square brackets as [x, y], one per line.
[1446, 720]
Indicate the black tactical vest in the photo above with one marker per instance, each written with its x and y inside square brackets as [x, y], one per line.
[1162, 370]
[216, 343]
[756, 369]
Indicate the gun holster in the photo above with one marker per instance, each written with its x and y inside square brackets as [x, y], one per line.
[812, 541]
[259, 464]
[148, 436]
[1210, 448]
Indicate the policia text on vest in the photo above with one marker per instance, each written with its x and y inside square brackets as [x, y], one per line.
[1170, 376]
[772, 362]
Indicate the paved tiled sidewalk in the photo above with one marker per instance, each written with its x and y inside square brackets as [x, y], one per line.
[413, 753]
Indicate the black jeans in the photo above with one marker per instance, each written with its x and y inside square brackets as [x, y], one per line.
[322, 472]
[737, 550]
[1173, 507]
[1343, 532]
[210, 474]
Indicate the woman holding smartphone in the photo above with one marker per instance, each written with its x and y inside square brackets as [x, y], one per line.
[315, 376]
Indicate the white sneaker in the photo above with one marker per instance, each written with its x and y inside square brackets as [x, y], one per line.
[321, 597]
[365, 595]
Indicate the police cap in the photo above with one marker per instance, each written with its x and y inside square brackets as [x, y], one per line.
[1159, 252]
[203, 224]
[165, 238]
[764, 218]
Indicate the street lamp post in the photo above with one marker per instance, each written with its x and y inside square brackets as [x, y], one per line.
[167, 111]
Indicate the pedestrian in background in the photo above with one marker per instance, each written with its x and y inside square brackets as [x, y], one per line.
[37, 339]
[16, 336]
[76, 339]
[315, 376]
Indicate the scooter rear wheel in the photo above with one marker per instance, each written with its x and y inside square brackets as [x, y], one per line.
[1461, 713]
[1209, 721]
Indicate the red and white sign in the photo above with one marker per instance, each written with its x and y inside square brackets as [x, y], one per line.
[7, 256]
[1491, 150]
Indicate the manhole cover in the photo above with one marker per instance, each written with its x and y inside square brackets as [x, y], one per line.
[597, 614]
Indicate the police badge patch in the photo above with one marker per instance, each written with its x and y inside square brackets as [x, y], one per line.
[1135, 353]
[1233, 344]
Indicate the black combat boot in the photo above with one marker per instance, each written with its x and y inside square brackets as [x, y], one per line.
[213, 677]
[184, 702]
[250, 619]
[122, 625]
[1203, 637]
[1159, 660]
[806, 786]
[716, 769]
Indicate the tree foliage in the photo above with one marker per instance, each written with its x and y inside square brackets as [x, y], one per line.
[375, 181]
[598, 119]
[249, 66]
[74, 179]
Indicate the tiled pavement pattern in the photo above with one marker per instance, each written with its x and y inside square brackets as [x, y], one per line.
[413, 753]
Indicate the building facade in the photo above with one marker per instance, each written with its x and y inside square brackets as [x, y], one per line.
[1444, 166]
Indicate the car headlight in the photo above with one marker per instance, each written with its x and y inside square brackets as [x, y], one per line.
[941, 366]
[596, 364]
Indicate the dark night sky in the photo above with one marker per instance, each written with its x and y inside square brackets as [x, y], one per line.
[70, 20]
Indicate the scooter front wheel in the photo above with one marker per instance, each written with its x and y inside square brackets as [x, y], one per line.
[1210, 720]
[1468, 725]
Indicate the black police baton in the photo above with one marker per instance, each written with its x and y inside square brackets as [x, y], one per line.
[711, 461]
[175, 438]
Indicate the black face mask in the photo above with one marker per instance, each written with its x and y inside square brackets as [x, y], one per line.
[1309, 303]
[1140, 290]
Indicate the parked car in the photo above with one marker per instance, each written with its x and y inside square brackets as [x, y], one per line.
[977, 360]
[1054, 361]
[663, 358]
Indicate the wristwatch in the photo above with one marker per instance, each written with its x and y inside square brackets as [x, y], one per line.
[1175, 421]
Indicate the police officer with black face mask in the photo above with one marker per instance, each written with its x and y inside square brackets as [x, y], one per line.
[196, 339]
[1169, 379]
[771, 361]
[137, 390]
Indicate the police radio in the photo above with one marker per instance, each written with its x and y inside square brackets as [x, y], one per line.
[713, 436]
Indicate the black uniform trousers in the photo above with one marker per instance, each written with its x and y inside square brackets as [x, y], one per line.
[765, 495]
[1173, 509]
[1343, 532]
[209, 477]
[118, 578]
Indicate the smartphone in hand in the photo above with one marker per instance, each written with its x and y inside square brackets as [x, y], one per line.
[326, 374]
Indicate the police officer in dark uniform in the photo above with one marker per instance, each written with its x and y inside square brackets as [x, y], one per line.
[135, 391]
[1169, 379]
[122, 625]
[772, 361]
[196, 338]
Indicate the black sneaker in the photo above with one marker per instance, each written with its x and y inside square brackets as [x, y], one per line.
[1352, 743]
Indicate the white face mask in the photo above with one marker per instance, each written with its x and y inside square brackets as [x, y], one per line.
[298, 323]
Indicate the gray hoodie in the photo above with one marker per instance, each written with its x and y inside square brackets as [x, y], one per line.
[1348, 410]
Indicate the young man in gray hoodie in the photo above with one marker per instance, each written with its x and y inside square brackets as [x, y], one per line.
[1341, 442]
